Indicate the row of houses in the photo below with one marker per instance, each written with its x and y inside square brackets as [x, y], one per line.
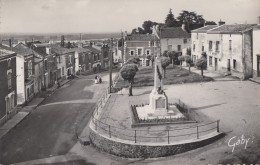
[231, 49]
[29, 68]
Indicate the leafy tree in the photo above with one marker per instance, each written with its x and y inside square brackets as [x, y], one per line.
[133, 60]
[188, 60]
[170, 20]
[165, 61]
[181, 59]
[128, 73]
[201, 63]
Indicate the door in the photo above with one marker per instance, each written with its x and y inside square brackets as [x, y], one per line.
[216, 64]
[228, 65]
[258, 66]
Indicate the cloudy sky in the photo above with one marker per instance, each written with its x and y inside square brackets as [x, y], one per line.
[114, 15]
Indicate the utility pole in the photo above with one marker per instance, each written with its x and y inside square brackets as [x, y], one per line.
[110, 65]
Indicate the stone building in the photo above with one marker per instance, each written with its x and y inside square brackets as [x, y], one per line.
[8, 93]
[174, 39]
[230, 50]
[199, 42]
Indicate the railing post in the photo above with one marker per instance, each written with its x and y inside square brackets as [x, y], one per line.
[197, 132]
[168, 137]
[135, 136]
[217, 125]
[109, 131]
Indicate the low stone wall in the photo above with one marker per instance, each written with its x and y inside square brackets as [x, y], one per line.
[135, 150]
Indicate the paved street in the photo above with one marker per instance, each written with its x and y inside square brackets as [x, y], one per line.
[51, 128]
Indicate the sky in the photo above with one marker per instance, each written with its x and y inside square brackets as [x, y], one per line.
[95, 16]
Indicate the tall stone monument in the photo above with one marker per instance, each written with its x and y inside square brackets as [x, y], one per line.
[158, 98]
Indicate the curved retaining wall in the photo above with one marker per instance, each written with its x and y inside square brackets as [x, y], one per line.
[135, 150]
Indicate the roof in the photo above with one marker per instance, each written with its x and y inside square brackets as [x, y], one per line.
[80, 50]
[139, 37]
[23, 50]
[204, 29]
[257, 27]
[5, 53]
[174, 32]
[94, 50]
[60, 50]
[235, 28]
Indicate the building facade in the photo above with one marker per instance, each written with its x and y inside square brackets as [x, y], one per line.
[174, 39]
[230, 50]
[8, 93]
[141, 46]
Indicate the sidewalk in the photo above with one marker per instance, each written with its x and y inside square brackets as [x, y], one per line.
[215, 75]
[26, 110]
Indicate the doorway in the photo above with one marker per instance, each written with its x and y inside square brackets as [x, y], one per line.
[258, 65]
[216, 64]
[228, 65]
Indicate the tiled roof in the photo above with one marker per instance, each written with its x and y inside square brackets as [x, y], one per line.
[175, 32]
[257, 27]
[204, 29]
[236, 28]
[60, 50]
[5, 53]
[23, 50]
[139, 37]
[81, 50]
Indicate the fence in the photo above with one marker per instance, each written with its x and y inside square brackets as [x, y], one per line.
[140, 135]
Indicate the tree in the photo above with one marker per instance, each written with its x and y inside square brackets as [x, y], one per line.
[133, 60]
[170, 20]
[173, 56]
[201, 63]
[181, 59]
[128, 73]
[188, 60]
[165, 61]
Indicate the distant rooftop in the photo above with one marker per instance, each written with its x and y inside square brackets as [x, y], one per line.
[174, 32]
[235, 28]
[204, 29]
[139, 37]
[5, 53]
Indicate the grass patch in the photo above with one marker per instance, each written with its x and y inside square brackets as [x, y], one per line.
[145, 77]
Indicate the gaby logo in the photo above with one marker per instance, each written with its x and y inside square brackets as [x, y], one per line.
[238, 141]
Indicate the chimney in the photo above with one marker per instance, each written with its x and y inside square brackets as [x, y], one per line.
[47, 50]
[10, 43]
[221, 23]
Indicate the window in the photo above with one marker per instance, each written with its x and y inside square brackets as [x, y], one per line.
[9, 79]
[234, 64]
[148, 52]
[179, 47]
[202, 47]
[70, 59]
[9, 63]
[132, 52]
[230, 45]
[210, 45]
[45, 64]
[139, 51]
[184, 40]
[29, 68]
[210, 60]
[217, 46]
[169, 47]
